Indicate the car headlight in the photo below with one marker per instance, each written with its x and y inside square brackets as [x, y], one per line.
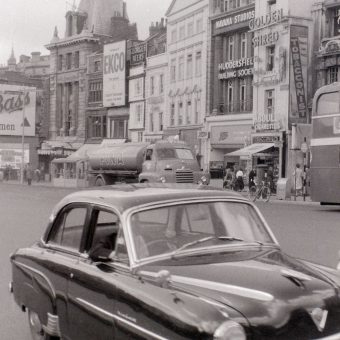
[230, 330]
[203, 180]
[162, 180]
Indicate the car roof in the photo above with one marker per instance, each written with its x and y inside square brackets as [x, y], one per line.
[127, 196]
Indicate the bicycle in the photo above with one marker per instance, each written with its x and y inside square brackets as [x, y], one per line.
[261, 192]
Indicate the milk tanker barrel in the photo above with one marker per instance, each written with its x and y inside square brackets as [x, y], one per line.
[122, 157]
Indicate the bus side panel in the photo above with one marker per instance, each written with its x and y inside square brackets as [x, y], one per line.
[325, 174]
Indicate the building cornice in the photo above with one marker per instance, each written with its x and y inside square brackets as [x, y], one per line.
[74, 40]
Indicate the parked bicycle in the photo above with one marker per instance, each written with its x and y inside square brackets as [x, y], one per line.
[260, 192]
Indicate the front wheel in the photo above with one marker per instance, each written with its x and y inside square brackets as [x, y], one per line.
[252, 193]
[265, 194]
[36, 328]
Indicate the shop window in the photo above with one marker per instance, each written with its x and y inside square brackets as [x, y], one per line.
[243, 45]
[332, 74]
[189, 66]
[172, 114]
[270, 52]
[270, 102]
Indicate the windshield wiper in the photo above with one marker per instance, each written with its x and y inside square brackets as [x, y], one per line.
[205, 239]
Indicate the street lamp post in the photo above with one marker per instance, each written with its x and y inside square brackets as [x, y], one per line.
[23, 141]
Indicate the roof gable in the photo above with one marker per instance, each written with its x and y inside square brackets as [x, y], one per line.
[177, 5]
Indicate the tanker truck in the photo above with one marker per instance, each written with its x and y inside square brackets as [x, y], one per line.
[164, 162]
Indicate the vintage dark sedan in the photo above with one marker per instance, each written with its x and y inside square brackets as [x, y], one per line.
[169, 262]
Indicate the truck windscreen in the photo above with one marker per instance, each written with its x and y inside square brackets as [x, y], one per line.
[175, 153]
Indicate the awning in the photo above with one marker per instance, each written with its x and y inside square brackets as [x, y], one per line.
[251, 149]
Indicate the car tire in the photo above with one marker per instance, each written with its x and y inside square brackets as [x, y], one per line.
[37, 332]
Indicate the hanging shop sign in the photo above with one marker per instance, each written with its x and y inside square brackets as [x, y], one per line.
[233, 22]
[236, 68]
[298, 71]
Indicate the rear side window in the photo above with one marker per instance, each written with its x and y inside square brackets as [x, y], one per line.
[68, 229]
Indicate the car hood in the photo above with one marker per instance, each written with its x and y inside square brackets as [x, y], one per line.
[266, 286]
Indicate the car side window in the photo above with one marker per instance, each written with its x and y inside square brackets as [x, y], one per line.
[68, 230]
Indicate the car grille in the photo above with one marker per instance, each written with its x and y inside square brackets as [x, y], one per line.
[184, 176]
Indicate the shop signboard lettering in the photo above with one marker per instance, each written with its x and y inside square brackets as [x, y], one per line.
[236, 69]
[14, 102]
[266, 20]
[138, 54]
[299, 61]
[234, 19]
[114, 74]
[266, 139]
[266, 39]
[266, 122]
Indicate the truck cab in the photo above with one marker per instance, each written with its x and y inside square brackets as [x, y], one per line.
[171, 162]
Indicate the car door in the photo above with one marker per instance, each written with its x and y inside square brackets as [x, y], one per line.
[91, 293]
[62, 251]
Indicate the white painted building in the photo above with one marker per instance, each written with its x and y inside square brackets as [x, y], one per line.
[187, 39]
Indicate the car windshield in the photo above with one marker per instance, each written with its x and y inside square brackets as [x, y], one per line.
[174, 229]
[175, 153]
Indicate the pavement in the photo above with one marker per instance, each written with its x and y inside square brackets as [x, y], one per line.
[213, 182]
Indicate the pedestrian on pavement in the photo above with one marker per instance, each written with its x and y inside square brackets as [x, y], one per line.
[298, 179]
[251, 178]
[239, 180]
[228, 179]
[29, 173]
[270, 178]
[37, 175]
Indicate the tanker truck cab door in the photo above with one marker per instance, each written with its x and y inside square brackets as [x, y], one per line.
[149, 160]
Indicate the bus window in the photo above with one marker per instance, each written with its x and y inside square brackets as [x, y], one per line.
[328, 103]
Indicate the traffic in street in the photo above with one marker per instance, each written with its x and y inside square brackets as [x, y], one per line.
[304, 230]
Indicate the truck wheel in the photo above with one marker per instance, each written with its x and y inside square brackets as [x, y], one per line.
[36, 329]
[99, 182]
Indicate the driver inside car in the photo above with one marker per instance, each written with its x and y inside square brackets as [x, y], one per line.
[104, 249]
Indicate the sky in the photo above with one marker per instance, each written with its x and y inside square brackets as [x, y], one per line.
[28, 25]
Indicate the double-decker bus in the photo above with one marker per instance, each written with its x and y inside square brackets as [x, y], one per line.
[325, 145]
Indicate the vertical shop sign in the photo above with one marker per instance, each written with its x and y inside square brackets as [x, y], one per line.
[299, 62]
